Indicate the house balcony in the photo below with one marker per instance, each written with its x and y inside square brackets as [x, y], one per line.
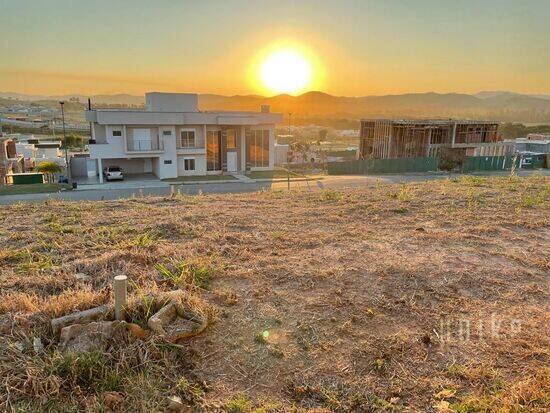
[153, 144]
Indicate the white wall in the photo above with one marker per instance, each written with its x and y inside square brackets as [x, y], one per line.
[47, 152]
[114, 146]
[200, 165]
[171, 102]
[168, 167]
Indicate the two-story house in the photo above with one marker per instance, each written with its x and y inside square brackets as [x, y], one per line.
[171, 137]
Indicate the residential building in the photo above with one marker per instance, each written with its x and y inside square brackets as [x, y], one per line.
[49, 151]
[171, 137]
[383, 138]
[281, 154]
[531, 145]
[538, 136]
[35, 151]
[10, 162]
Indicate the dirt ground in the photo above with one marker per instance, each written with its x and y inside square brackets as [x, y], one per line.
[420, 297]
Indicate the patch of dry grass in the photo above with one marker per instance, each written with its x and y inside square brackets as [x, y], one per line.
[360, 297]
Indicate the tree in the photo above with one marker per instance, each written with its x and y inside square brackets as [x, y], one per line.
[49, 169]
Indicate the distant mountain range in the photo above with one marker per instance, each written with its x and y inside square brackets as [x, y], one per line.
[497, 105]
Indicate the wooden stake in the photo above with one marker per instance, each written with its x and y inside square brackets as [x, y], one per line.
[120, 288]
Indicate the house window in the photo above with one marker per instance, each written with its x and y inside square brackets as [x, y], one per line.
[213, 152]
[117, 133]
[258, 148]
[231, 139]
[189, 164]
[187, 139]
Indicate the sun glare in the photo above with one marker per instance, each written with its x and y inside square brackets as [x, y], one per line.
[286, 71]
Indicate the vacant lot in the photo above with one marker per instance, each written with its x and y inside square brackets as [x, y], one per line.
[420, 297]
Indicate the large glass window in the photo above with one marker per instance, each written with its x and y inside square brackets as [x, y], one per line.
[213, 159]
[231, 139]
[258, 148]
[187, 139]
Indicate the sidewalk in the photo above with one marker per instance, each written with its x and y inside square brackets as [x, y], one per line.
[247, 180]
[122, 185]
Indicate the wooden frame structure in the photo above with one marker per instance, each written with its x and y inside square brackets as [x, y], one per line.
[384, 139]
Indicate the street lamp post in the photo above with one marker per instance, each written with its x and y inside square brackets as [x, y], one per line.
[67, 166]
[287, 160]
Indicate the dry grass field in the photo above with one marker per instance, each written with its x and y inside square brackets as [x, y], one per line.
[420, 297]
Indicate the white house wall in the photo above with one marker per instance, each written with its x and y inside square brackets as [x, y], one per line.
[167, 161]
[167, 165]
[140, 117]
[200, 165]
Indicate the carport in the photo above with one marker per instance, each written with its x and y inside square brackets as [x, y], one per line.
[132, 168]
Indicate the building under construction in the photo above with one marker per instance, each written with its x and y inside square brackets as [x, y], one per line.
[383, 138]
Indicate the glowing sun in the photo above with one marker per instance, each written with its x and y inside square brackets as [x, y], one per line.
[286, 71]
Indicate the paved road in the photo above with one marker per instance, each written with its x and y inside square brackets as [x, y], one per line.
[329, 182]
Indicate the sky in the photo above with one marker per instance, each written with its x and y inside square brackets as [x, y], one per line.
[356, 47]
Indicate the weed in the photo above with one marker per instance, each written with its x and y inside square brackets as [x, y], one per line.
[539, 198]
[404, 194]
[90, 370]
[142, 307]
[471, 180]
[238, 404]
[330, 393]
[27, 260]
[228, 296]
[331, 195]
[191, 392]
[473, 199]
[306, 336]
[186, 273]
[145, 240]
[530, 393]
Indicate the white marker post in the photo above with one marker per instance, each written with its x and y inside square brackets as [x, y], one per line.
[120, 288]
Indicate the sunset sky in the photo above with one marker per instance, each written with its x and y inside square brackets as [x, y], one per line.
[353, 48]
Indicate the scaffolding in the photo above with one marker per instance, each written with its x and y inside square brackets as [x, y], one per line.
[384, 139]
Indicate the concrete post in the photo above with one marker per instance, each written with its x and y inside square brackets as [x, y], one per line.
[120, 288]
[100, 170]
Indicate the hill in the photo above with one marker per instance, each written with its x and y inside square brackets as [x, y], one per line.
[387, 298]
[500, 106]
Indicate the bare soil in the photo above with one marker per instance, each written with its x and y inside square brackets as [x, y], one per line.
[419, 297]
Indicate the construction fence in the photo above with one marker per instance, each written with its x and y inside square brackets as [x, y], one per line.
[430, 164]
[368, 166]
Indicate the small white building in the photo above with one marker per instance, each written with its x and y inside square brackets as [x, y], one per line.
[171, 138]
[281, 153]
[26, 150]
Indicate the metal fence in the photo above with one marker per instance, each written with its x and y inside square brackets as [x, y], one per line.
[430, 164]
[366, 166]
[488, 163]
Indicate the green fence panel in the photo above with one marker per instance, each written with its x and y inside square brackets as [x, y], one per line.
[370, 166]
[487, 163]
